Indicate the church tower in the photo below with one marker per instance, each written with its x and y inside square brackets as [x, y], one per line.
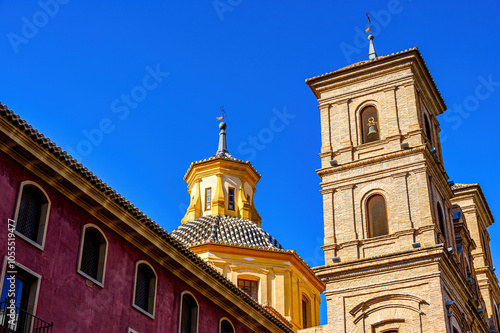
[392, 263]
[223, 227]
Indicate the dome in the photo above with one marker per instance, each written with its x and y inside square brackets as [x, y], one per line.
[224, 230]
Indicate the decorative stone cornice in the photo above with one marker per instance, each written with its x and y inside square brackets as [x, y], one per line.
[355, 164]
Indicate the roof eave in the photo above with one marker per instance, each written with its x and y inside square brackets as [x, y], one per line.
[317, 81]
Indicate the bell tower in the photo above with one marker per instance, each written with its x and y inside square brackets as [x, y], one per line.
[382, 172]
[389, 243]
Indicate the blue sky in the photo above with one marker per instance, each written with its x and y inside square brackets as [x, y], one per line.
[67, 68]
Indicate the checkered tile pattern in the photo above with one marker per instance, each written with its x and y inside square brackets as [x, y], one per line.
[227, 230]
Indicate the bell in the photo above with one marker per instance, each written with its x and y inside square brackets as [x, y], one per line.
[372, 130]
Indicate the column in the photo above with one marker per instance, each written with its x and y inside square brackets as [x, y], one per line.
[389, 116]
[328, 217]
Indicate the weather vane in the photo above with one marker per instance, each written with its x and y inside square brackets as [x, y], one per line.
[224, 115]
[369, 29]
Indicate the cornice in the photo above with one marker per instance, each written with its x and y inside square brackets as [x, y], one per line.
[355, 164]
[285, 255]
[411, 57]
[377, 264]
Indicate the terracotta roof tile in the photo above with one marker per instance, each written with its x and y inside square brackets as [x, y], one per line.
[228, 230]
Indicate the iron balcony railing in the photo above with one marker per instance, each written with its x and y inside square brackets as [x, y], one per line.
[16, 320]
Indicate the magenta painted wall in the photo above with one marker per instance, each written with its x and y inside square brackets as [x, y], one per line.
[64, 296]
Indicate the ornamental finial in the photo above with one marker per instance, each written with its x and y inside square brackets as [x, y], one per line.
[222, 150]
[371, 51]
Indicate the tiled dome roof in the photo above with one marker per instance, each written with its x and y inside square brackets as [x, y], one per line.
[227, 230]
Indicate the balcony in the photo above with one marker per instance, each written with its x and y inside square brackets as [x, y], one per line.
[21, 321]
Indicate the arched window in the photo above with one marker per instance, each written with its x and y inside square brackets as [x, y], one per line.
[306, 312]
[93, 249]
[441, 221]
[32, 213]
[189, 314]
[145, 288]
[369, 125]
[377, 216]
[428, 127]
[226, 326]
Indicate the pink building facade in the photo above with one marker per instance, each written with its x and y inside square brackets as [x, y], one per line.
[87, 260]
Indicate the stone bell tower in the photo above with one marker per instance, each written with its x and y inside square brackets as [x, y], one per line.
[391, 260]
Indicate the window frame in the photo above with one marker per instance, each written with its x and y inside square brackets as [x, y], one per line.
[229, 201]
[180, 310]
[44, 215]
[367, 214]
[208, 202]
[103, 252]
[155, 291]
[34, 293]
[227, 320]
[308, 314]
[247, 279]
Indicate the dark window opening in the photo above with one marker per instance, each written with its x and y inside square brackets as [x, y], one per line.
[377, 216]
[30, 213]
[145, 288]
[428, 131]
[189, 314]
[231, 198]
[305, 313]
[226, 327]
[485, 247]
[441, 221]
[91, 253]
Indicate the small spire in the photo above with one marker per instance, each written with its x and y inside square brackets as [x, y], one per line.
[371, 52]
[222, 150]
